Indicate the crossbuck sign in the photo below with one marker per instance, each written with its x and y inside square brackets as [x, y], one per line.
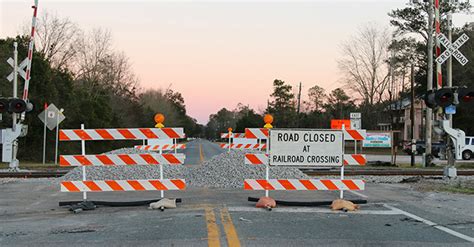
[452, 49]
[311, 148]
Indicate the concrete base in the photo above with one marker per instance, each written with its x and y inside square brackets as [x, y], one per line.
[450, 172]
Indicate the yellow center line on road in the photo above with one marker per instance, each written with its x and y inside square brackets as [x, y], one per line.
[230, 232]
[213, 236]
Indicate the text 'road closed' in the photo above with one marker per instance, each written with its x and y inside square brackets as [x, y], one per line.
[306, 147]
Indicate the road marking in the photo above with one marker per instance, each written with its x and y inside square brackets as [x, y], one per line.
[213, 239]
[358, 194]
[230, 232]
[313, 210]
[430, 223]
[201, 156]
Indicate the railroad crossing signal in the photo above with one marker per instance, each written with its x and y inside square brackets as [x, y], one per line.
[21, 68]
[452, 49]
[448, 96]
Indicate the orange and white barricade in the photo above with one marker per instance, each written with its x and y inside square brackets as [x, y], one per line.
[268, 184]
[84, 160]
[232, 135]
[244, 146]
[161, 147]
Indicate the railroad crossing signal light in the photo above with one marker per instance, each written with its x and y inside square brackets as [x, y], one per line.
[14, 105]
[449, 96]
[17, 106]
[466, 95]
[3, 105]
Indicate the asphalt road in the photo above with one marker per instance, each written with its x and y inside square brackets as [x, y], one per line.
[199, 150]
[395, 216]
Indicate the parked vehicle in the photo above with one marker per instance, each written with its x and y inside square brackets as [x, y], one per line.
[436, 147]
[468, 149]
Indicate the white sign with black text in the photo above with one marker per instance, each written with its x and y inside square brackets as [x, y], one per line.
[312, 148]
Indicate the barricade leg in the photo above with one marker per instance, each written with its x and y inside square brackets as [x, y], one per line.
[84, 175]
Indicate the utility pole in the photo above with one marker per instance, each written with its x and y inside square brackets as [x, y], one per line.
[429, 86]
[412, 116]
[298, 108]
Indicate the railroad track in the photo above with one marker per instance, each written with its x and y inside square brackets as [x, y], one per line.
[385, 172]
[309, 172]
[33, 174]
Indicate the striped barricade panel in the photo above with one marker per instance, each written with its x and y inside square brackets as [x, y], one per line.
[161, 147]
[256, 159]
[354, 160]
[354, 135]
[121, 159]
[233, 135]
[244, 146]
[123, 185]
[120, 134]
[304, 184]
[256, 133]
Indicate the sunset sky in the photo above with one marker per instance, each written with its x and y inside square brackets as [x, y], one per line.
[220, 53]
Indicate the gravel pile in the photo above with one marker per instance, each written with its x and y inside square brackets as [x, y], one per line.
[226, 170]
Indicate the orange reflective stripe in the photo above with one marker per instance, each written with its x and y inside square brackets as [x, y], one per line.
[92, 185]
[265, 184]
[170, 133]
[126, 158]
[179, 183]
[114, 185]
[63, 161]
[286, 184]
[82, 160]
[62, 136]
[135, 184]
[105, 160]
[172, 159]
[149, 159]
[350, 184]
[104, 134]
[82, 134]
[360, 159]
[329, 184]
[148, 133]
[126, 133]
[70, 186]
[308, 185]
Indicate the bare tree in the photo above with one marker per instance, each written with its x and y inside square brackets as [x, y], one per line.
[364, 63]
[94, 49]
[57, 39]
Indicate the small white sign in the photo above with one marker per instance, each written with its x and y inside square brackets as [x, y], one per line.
[355, 115]
[356, 124]
[312, 148]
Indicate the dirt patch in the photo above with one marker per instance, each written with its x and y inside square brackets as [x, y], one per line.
[460, 185]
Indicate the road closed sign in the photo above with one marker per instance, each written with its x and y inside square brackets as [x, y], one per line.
[311, 148]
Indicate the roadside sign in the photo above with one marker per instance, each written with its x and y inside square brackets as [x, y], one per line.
[355, 115]
[450, 110]
[312, 148]
[21, 68]
[53, 116]
[356, 122]
[336, 124]
[452, 49]
[377, 140]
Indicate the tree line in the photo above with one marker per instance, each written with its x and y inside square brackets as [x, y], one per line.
[375, 66]
[81, 72]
